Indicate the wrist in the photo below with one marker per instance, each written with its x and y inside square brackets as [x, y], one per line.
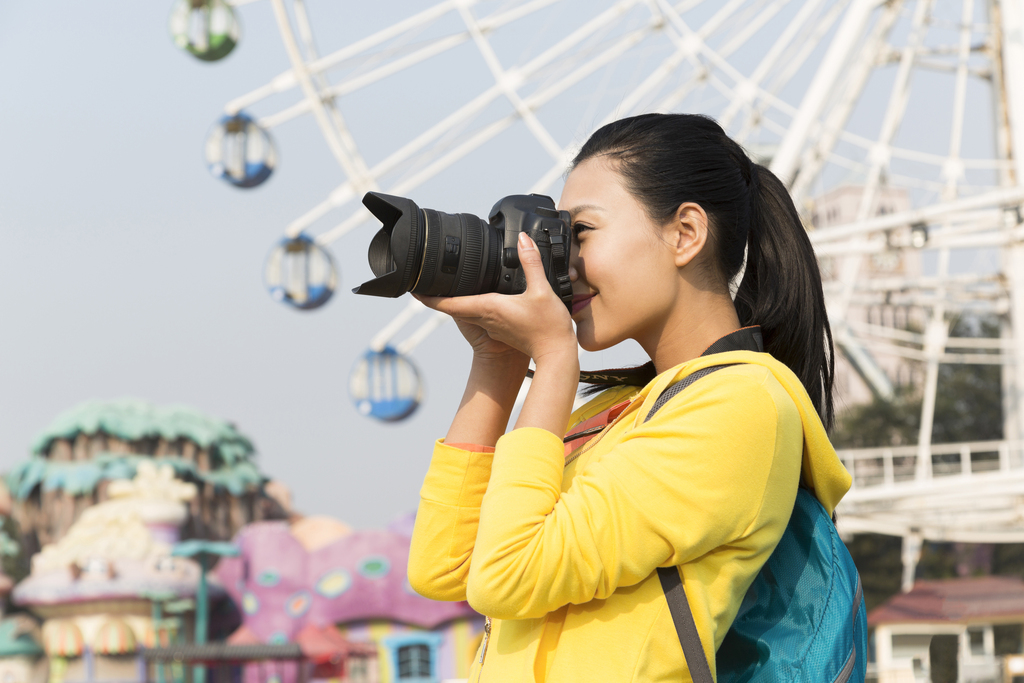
[562, 359]
[508, 364]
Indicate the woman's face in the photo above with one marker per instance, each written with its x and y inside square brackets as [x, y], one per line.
[625, 280]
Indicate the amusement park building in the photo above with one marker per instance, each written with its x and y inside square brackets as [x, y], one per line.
[316, 572]
[978, 622]
[85, 448]
[95, 588]
[113, 491]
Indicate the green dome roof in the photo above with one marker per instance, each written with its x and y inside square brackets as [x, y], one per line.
[231, 452]
[132, 419]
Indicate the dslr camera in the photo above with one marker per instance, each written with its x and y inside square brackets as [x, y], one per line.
[439, 254]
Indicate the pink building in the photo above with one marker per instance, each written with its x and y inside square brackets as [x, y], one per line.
[318, 573]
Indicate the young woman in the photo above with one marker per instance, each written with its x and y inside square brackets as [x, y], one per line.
[558, 544]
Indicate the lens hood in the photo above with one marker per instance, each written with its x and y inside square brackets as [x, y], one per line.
[396, 251]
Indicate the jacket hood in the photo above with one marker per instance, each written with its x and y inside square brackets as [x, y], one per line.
[822, 471]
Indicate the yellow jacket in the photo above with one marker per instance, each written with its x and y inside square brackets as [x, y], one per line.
[561, 551]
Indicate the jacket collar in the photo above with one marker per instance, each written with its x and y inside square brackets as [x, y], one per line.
[743, 339]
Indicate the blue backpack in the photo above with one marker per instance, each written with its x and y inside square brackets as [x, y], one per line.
[803, 618]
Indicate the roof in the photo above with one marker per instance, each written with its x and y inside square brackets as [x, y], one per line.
[128, 578]
[955, 601]
[133, 419]
[80, 477]
[281, 586]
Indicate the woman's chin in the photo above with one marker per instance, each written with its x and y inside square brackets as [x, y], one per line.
[587, 340]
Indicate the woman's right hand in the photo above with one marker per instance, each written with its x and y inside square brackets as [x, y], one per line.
[491, 389]
[486, 348]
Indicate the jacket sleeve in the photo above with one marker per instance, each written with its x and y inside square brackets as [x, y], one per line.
[446, 521]
[674, 488]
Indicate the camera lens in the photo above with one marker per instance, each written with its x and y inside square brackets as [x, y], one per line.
[439, 254]
[460, 257]
[429, 252]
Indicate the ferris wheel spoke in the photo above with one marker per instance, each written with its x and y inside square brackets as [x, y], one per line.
[338, 197]
[851, 264]
[337, 139]
[287, 79]
[278, 84]
[509, 83]
[478, 138]
[416, 21]
[422, 332]
[881, 153]
[382, 338]
[435, 47]
[409, 183]
[692, 41]
[478, 104]
[953, 169]
[305, 31]
[767, 64]
[628, 102]
[780, 72]
[785, 161]
[1008, 197]
[469, 110]
[751, 27]
[362, 179]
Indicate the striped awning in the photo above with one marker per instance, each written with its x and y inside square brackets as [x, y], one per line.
[62, 638]
[114, 637]
[166, 631]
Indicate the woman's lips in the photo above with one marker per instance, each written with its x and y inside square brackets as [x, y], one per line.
[580, 301]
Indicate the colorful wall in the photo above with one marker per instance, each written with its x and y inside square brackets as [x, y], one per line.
[319, 572]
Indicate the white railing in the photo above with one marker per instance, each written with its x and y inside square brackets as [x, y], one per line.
[900, 465]
[970, 492]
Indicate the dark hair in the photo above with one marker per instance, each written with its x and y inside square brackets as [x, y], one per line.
[669, 159]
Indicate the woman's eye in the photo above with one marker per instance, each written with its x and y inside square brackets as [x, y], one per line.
[577, 228]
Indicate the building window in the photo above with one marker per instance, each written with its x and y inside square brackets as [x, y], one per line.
[413, 662]
[414, 656]
[977, 642]
[358, 670]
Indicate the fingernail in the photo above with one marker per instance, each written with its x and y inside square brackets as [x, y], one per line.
[524, 241]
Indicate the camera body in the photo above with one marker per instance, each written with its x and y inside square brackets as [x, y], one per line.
[438, 254]
[549, 229]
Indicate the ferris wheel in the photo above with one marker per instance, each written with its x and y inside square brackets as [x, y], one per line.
[898, 126]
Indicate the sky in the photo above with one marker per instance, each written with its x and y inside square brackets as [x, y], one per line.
[129, 271]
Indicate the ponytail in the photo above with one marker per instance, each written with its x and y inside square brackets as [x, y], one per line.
[669, 159]
[781, 291]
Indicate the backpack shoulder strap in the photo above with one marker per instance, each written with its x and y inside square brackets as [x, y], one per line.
[686, 629]
[671, 582]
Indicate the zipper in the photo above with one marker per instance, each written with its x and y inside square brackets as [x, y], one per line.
[847, 670]
[483, 646]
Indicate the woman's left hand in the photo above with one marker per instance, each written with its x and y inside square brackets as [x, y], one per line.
[535, 322]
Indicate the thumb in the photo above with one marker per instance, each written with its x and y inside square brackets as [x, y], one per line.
[529, 259]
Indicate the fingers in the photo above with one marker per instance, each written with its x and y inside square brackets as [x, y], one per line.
[467, 307]
[529, 259]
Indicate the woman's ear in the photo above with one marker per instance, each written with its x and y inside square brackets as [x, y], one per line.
[687, 233]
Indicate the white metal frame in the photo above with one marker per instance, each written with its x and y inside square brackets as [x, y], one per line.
[812, 135]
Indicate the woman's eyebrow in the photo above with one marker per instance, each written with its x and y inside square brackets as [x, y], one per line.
[584, 207]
